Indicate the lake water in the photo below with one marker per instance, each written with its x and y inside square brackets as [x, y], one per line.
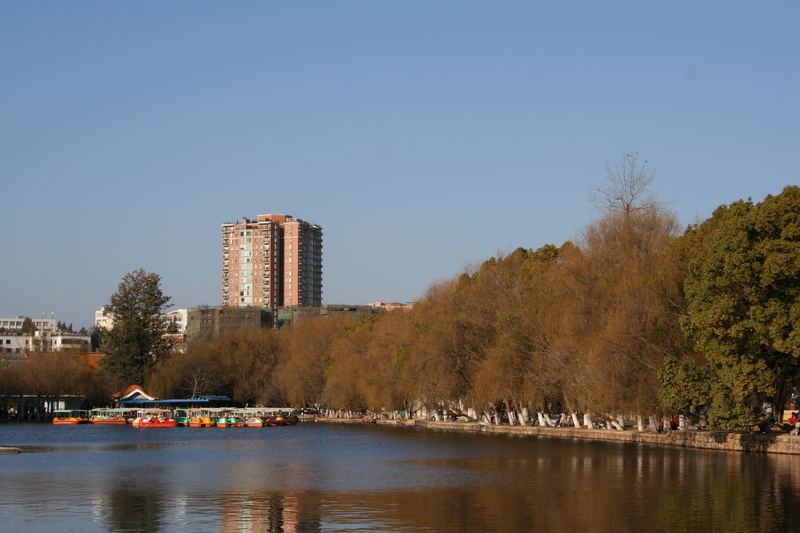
[324, 477]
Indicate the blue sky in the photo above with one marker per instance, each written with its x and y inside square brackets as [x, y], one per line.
[422, 136]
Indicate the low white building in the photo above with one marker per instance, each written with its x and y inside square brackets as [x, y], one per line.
[13, 344]
[177, 320]
[40, 324]
[178, 317]
[70, 342]
[11, 324]
[45, 341]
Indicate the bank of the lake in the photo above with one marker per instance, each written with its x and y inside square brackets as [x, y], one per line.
[708, 440]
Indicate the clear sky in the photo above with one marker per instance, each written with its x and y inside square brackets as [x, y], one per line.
[423, 136]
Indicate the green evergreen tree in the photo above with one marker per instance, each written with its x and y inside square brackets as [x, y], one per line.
[27, 327]
[134, 344]
[743, 292]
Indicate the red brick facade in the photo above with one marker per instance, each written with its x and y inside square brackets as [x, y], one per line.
[273, 261]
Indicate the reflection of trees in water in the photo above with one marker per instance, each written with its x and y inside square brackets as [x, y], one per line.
[245, 507]
[136, 510]
[583, 489]
[736, 493]
[648, 490]
[270, 512]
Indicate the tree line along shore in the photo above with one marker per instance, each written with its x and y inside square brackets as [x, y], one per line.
[636, 317]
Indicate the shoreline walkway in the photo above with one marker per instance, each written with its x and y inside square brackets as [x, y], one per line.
[708, 440]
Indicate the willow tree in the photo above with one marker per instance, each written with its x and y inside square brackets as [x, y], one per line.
[513, 369]
[345, 368]
[304, 347]
[614, 321]
[615, 312]
[446, 338]
[743, 293]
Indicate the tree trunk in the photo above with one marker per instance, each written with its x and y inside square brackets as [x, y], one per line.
[549, 421]
[510, 413]
[653, 424]
[540, 416]
[526, 416]
[575, 421]
[617, 425]
[518, 412]
[587, 420]
[639, 422]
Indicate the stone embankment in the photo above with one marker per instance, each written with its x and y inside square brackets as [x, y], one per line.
[9, 449]
[710, 440]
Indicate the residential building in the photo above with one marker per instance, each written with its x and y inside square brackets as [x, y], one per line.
[69, 342]
[14, 344]
[45, 341]
[39, 324]
[302, 263]
[11, 324]
[102, 319]
[46, 337]
[177, 320]
[272, 261]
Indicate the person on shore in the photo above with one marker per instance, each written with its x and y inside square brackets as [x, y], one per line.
[795, 425]
[764, 425]
[673, 422]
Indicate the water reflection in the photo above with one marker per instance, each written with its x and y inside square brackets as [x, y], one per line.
[130, 510]
[324, 479]
[268, 512]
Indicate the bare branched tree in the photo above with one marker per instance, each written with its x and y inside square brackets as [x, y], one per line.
[628, 188]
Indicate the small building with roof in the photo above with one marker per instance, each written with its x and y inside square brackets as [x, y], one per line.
[134, 396]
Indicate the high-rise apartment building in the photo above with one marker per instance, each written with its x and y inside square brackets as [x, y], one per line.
[273, 261]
